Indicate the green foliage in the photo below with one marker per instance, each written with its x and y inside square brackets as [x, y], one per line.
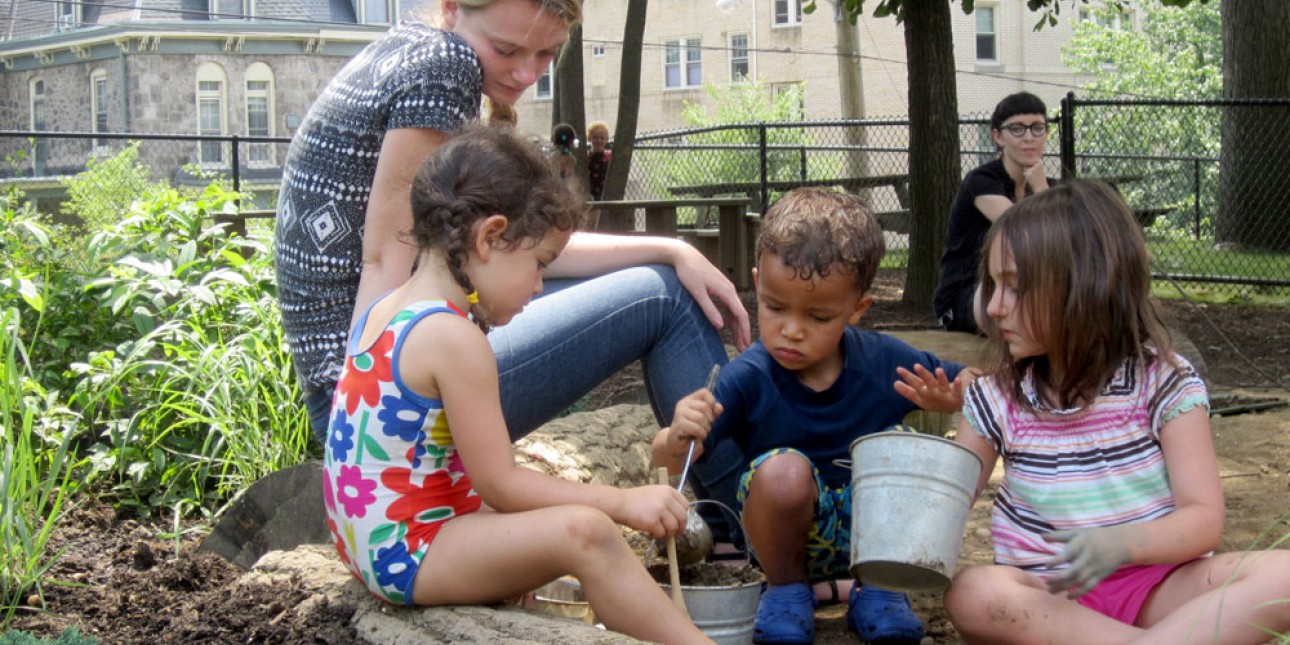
[200, 399]
[107, 187]
[70, 636]
[731, 151]
[35, 434]
[1175, 54]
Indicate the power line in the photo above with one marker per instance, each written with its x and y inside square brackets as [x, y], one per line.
[143, 26]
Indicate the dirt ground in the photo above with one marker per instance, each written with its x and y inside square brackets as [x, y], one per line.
[124, 580]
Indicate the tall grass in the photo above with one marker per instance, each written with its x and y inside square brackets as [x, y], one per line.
[34, 473]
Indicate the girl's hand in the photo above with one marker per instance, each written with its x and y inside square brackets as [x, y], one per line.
[705, 282]
[934, 392]
[1093, 554]
[657, 510]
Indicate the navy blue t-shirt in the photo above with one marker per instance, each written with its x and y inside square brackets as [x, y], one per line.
[766, 407]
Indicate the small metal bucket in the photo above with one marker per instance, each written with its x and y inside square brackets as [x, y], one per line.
[910, 497]
[727, 615]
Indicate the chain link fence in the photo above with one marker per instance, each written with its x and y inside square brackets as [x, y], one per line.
[1210, 218]
[1204, 177]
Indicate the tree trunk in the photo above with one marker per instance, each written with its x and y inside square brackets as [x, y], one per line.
[1256, 64]
[629, 99]
[851, 89]
[934, 173]
[570, 102]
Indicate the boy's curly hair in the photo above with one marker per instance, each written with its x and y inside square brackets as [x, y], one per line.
[816, 231]
[485, 170]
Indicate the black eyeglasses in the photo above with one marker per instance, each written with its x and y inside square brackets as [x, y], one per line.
[1019, 129]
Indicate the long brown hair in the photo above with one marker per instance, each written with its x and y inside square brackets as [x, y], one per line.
[1083, 289]
[485, 170]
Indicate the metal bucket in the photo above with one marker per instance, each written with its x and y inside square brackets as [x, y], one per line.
[727, 615]
[911, 494]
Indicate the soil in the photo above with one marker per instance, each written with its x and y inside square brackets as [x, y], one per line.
[126, 580]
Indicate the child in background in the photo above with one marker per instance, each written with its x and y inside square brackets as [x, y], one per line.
[795, 401]
[424, 499]
[1110, 505]
[598, 157]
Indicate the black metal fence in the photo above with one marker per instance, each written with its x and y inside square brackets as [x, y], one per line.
[1210, 217]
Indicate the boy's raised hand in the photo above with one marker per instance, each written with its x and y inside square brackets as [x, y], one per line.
[656, 509]
[934, 391]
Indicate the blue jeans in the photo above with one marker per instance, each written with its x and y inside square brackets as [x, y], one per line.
[578, 333]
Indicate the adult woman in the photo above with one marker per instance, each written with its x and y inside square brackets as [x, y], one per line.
[1020, 129]
[344, 207]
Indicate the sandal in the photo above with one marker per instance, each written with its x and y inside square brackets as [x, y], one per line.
[882, 617]
[786, 615]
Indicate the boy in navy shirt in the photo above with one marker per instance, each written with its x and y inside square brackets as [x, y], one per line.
[795, 401]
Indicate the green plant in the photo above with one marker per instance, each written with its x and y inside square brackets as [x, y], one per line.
[108, 186]
[69, 636]
[200, 399]
[36, 432]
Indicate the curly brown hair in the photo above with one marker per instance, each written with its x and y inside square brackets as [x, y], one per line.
[816, 231]
[485, 170]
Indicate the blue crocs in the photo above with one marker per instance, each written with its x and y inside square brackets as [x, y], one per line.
[883, 617]
[786, 615]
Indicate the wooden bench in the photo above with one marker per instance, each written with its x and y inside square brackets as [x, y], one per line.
[728, 246]
[1147, 216]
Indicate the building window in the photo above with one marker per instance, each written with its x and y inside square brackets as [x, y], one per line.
[99, 104]
[738, 57]
[683, 63]
[788, 12]
[66, 15]
[259, 113]
[227, 9]
[376, 12]
[986, 42]
[545, 83]
[597, 50]
[40, 155]
[210, 112]
[1107, 17]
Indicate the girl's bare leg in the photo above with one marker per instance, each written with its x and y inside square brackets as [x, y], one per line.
[1231, 598]
[485, 557]
[997, 605]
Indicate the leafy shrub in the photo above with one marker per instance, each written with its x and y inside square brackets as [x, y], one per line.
[70, 636]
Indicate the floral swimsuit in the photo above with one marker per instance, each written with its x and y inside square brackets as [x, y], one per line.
[391, 475]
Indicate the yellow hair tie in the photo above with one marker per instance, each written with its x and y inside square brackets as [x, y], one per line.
[473, 297]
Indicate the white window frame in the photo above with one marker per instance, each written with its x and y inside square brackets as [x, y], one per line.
[228, 9]
[688, 63]
[739, 56]
[993, 34]
[260, 154]
[1108, 17]
[597, 50]
[211, 88]
[67, 15]
[365, 17]
[785, 13]
[99, 106]
[544, 88]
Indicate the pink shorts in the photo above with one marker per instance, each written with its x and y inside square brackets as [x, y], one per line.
[1123, 593]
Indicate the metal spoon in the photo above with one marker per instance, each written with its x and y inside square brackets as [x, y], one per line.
[695, 542]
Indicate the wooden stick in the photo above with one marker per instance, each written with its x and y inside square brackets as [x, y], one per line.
[673, 571]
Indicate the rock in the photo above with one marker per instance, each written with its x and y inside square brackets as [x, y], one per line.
[607, 446]
[317, 569]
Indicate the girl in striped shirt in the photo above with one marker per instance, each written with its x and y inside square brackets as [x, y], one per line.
[1110, 507]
